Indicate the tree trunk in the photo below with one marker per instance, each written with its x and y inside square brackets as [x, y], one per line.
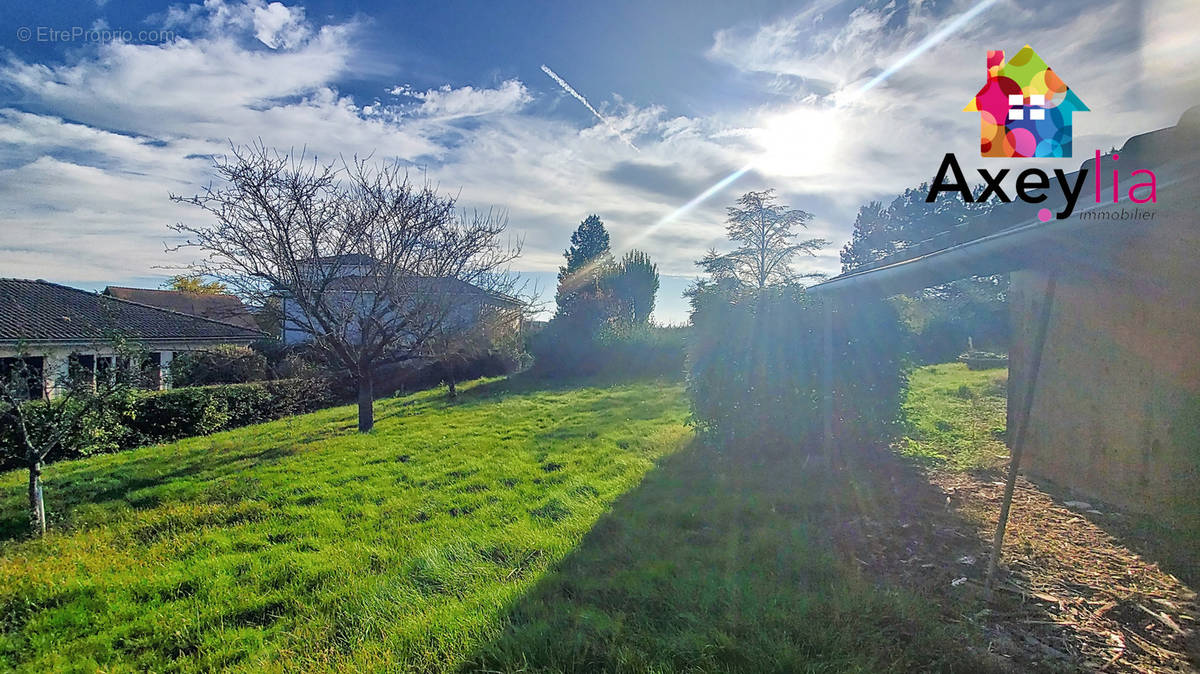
[37, 506]
[366, 403]
[453, 390]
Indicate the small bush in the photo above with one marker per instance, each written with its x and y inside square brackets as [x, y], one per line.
[179, 413]
[100, 430]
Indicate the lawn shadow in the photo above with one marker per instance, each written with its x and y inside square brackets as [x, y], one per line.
[724, 563]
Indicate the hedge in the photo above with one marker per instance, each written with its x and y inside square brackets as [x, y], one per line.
[220, 364]
[150, 417]
[639, 351]
[755, 369]
[163, 416]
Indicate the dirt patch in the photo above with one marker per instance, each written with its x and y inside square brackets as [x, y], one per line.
[1070, 594]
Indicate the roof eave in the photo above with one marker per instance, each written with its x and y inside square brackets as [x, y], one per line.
[150, 341]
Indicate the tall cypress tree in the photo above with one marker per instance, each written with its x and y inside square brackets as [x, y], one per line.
[588, 263]
[588, 242]
[635, 284]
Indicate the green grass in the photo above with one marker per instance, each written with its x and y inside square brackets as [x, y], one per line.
[557, 529]
[300, 544]
[720, 563]
[956, 416]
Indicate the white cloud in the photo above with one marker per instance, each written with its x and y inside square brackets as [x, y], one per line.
[146, 115]
[72, 222]
[101, 139]
[450, 103]
[278, 26]
[894, 134]
[275, 25]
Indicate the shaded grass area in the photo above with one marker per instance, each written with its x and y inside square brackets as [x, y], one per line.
[299, 544]
[719, 562]
[956, 416]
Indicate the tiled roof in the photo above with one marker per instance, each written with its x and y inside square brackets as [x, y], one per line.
[40, 311]
[217, 307]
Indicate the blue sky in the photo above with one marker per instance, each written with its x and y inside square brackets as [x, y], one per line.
[95, 133]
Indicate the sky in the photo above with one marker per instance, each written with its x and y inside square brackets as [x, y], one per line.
[109, 107]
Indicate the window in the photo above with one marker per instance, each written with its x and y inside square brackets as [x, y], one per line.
[152, 379]
[105, 367]
[82, 368]
[1017, 106]
[24, 376]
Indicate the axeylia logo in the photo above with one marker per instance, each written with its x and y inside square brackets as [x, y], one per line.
[1024, 108]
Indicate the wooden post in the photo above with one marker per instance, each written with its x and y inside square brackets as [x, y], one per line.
[1018, 446]
[827, 374]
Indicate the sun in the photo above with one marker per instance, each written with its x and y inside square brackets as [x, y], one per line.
[801, 142]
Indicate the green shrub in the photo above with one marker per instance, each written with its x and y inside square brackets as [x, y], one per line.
[101, 429]
[149, 417]
[619, 350]
[755, 368]
[161, 416]
[220, 364]
[644, 350]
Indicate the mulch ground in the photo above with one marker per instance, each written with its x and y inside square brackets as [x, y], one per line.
[1072, 593]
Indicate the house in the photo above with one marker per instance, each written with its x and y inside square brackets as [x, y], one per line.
[218, 307]
[352, 280]
[1104, 379]
[1024, 108]
[53, 327]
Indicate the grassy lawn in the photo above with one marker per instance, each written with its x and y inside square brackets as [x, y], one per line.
[299, 544]
[558, 529]
[956, 416]
[726, 564]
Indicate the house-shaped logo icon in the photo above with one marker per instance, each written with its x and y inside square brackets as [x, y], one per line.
[1024, 108]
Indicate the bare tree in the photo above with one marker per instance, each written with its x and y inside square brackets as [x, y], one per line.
[59, 419]
[765, 232]
[369, 266]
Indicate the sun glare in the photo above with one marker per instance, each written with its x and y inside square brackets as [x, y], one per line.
[802, 142]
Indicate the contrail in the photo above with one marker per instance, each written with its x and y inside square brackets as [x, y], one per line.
[579, 97]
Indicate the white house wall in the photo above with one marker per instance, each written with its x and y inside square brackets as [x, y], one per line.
[55, 357]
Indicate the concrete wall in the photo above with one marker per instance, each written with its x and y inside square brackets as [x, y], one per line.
[1116, 413]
